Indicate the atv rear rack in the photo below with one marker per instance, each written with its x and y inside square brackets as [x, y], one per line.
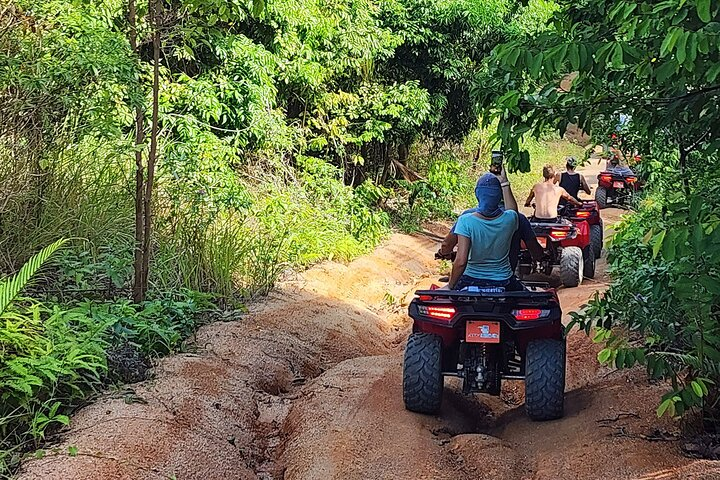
[526, 294]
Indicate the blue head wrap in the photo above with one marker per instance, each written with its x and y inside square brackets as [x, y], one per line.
[489, 195]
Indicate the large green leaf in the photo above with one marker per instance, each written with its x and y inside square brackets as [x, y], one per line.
[11, 287]
[703, 10]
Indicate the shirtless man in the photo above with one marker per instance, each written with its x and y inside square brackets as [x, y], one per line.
[548, 196]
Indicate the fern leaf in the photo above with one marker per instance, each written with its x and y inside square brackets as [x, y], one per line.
[11, 287]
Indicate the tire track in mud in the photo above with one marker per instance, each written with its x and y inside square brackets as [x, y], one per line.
[218, 413]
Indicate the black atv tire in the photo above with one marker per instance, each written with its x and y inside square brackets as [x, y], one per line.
[596, 238]
[588, 262]
[601, 197]
[571, 266]
[422, 373]
[545, 379]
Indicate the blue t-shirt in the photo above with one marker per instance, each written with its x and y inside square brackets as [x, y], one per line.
[490, 242]
[524, 233]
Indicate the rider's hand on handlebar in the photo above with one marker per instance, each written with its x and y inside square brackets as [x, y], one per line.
[445, 256]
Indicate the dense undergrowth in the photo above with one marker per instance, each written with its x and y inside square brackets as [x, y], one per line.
[288, 133]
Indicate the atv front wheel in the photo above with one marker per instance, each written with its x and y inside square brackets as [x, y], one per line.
[571, 266]
[601, 197]
[588, 262]
[545, 379]
[422, 373]
[596, 239]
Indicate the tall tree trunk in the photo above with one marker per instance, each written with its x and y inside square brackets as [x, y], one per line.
[154, 9]
[138, 293]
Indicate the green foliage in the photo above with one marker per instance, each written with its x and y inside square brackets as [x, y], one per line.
[665, 264]
[44, 353]
[11, 287]
[656, 62]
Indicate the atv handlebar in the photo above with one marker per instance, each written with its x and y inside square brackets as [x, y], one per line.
[448, 256]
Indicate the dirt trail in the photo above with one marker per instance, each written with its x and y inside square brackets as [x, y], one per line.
[307, 385]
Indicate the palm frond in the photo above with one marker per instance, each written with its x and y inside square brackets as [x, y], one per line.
[11, 287]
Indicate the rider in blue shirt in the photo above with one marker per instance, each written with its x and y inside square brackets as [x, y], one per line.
[484, 238]
[523, 233]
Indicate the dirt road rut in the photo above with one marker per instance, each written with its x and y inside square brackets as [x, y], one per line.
[307, 385]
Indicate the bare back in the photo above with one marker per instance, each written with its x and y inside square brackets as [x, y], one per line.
[547, 197]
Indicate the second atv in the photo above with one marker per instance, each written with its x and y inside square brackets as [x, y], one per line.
[590, 213]
[566, 245]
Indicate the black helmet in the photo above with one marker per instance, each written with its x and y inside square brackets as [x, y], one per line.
[571, 162]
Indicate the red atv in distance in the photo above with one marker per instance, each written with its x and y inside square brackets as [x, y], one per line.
[565, 244]
[587, 212]
[484, 337]
[616, 188]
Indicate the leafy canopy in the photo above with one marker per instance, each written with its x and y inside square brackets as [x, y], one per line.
[658, 62]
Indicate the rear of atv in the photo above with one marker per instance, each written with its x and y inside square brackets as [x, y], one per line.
[566, 245]
[590, 213]
[616, 189]
[484, 338]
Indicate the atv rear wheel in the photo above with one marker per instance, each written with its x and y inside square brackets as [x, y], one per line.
[571, 266]
[545, 379]
[422, 373]
[601, 197]
[588, 262]
[596, 239]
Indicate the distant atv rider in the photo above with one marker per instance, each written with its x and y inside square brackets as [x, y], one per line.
[548, 196]
[571, 180]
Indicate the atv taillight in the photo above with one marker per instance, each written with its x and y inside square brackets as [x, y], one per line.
[440, 313]
[425, 298]
[559, 234]
[631, 179]
[605, 178]
[525, 314]
[583, 214]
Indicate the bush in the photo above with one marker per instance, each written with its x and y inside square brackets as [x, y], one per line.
[662, 307]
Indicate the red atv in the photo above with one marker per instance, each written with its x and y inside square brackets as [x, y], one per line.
[567, 245]
[616, 188]
[587, 212]
[485, 337]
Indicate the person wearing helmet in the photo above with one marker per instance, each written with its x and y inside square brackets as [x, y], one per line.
[571, 180]
[524, 234]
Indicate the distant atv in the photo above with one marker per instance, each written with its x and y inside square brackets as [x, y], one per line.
[587, 212]
[484, 337]
[616, 188]
[565, 244]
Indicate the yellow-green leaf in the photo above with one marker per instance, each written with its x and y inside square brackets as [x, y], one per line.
[604, 355]
[697, 388]
[665, 406]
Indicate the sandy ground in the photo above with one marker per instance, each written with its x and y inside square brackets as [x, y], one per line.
[307, 385]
